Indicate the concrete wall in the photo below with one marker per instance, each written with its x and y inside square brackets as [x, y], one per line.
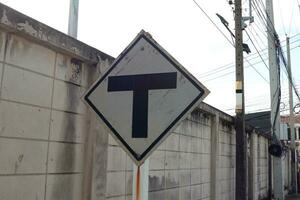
[47, 137]
[196, 162]
[179, 169]
[43, 121]
[226, 162]
[259, 166]
[53, 147]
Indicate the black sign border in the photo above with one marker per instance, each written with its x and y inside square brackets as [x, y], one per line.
[157, 140]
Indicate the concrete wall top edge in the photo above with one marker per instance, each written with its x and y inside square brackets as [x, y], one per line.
[214, 111]
[229, 119]
[18, 23]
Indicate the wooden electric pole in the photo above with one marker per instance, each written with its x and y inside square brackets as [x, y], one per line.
[291, 119]
[241, 141]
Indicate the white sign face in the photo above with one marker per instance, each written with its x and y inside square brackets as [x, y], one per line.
[143, 96]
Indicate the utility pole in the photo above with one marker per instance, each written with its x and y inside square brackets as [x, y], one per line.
[275, 92]
[73, 18]
[291, 119]
[241, 142]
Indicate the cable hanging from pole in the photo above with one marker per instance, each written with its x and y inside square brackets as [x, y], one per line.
[256, 49]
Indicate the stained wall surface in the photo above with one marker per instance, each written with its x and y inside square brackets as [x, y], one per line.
[52, 147]
[43, 121]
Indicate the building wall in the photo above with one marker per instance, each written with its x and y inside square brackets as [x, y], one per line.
[43, 121]
[261, 175]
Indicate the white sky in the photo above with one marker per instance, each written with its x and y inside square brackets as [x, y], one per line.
[184, 31]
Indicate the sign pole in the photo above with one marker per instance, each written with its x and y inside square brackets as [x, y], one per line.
[140, 181]
[73, 18]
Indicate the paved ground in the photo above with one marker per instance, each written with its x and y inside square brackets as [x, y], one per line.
[293, 197]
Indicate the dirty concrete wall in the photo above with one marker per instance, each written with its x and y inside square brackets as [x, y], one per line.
[181, 168]
[197, 161]
[226, 162]
[260, 167]
[43, 122]
[53, 147]
[178, 169]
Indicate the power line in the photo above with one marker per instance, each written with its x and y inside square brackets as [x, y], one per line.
[256, 103]
[256, 49]
[257, 110]
[228, 73]
[218, 69]
[212, 22]
[231, 65]
[261, 40]
[261, 99]
[245, 67]
[260, 28]
[268, 17]
[257, 71]
[290, 78]
[259, 12]
[222, 33]
[265, 19]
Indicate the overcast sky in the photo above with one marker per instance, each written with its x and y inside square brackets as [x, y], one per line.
[186, 33]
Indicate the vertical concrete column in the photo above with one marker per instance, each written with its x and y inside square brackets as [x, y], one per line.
[252, 166]
[96, 147]
[95, 161]
[88, 162]
[100, 147]
[214, 156]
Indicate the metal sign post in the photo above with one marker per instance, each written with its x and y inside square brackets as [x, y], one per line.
[73, 18]
[140, 181]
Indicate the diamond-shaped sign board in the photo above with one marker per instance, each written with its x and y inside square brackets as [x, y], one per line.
[143, 96]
